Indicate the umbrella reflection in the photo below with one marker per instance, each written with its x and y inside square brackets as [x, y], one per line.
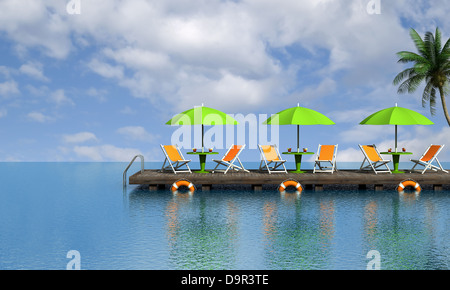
[269, 219]
[326, 220]
[370, 222]
[200, 236]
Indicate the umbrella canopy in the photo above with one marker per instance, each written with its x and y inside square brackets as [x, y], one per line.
[298, 116]
[396, 116]
[202, 116]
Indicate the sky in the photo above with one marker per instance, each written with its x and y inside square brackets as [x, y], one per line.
[96, 80]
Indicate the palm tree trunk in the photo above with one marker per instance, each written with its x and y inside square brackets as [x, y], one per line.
[444, 106]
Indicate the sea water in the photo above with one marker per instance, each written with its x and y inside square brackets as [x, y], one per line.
[50, 210]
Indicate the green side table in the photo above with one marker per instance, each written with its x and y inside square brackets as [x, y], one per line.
[298, 160]
[396, 159]
[202, 157]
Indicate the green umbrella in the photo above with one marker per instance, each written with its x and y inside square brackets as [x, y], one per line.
[202, 116]
[298, 116]
[396, 116]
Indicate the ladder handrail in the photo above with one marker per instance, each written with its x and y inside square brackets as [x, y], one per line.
[129, 165]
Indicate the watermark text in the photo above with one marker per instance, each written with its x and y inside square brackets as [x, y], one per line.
[75, 262]
[74, 7]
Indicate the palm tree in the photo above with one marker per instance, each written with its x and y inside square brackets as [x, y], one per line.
[431, 64]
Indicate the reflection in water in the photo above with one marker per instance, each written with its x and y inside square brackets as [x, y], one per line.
[326, 221]
[172, 221]
[409, 197]
[198, 237]
[267, 230]
[269, 220]
[403, 237]
[370, 223]
[291, 197]
[295, 237]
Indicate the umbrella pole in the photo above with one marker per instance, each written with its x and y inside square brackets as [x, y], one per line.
[298, 134]
[202, 139]
[396, 138]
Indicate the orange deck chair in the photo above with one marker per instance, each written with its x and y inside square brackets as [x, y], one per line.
[229, 158]
[428, 157]
[327, 155]
[373, 157]
[174, 158]
[271, 160]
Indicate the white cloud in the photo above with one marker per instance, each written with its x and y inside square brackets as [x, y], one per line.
[81, 137]
[137, 133]
[3, 112]
[365, 133]
[106, 153]
[138, 58]
[9, 88]
[36, 24]
[99, 94]
[226, 92]
[106, 70]
[350, 116]
[206, 48]
[34, 70]
[39, 117]
[128, 111]
[59, 98]
[6, 71]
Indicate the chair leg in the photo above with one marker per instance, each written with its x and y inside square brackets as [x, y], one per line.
[164, 164]
[242, 166]
[442, 168]
[215, 167]
[228, 168]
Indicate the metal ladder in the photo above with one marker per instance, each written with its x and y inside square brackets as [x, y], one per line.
[129, 165]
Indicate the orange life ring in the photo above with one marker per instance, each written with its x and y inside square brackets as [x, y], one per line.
[409, 183]
[183, 182]
[287, 183]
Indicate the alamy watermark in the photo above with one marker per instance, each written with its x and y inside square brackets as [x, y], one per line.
[75, 262]
[374, 7]
[73, 7]
[249, 131]
[375, 260]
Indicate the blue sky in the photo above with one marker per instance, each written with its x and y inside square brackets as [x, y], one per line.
[99, 85]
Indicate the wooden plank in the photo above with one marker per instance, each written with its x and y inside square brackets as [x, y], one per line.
[154, 177]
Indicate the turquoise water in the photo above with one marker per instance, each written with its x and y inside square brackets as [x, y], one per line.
[49, 209]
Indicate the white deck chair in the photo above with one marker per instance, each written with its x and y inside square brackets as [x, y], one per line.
[326, 154]
[174, 158]
[428, 157]
[373, 157]
[271, 160]
[229, 158]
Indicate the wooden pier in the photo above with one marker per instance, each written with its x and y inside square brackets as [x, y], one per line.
[256, 179]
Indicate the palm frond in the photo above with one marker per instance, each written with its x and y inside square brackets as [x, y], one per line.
[414, 83]
[407, 56]
[420, 45]
[443, 58]
[437, 41]
[403, 75]
[430, 46]
[446, 71]
[446, 88]
[433, 101]
[422, 68]
[426, 94]
[411, 84]
[446, 46]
